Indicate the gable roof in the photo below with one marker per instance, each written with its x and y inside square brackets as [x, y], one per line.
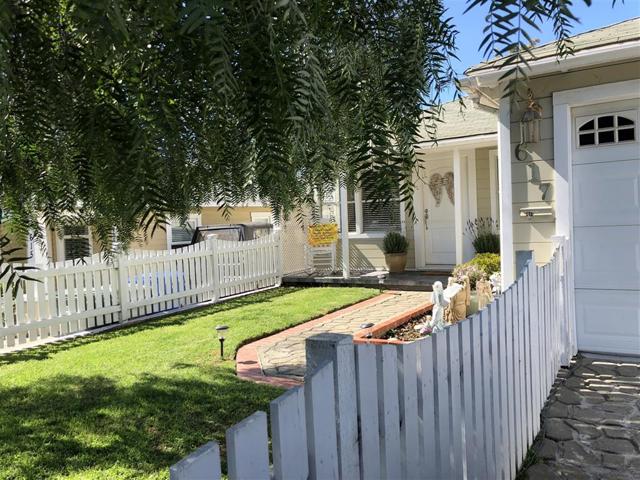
[622, 32]
[468, 121]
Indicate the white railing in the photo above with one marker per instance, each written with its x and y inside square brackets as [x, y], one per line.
[73, 298]
[463, 403]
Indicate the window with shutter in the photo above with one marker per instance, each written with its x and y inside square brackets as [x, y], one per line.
[76, 242]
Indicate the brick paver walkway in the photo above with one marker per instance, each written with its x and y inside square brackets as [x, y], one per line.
[591, 424]
[283, 355]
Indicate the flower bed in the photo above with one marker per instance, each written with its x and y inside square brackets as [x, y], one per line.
[407, 331]
[378, 333]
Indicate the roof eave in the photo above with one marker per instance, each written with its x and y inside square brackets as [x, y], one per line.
[612, 53]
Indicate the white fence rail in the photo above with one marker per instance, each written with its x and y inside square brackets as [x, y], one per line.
[463, 403]
[73, 298]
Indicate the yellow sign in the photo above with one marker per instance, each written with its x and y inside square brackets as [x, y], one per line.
[322, 234]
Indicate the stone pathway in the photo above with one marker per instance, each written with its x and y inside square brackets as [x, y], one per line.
[591, 423]
[280, 359]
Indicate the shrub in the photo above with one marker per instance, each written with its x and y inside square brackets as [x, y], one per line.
[484, 235]
[482, 266]
[395, 242]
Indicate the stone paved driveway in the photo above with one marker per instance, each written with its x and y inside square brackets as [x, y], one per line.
[287, 356]
[591, 424]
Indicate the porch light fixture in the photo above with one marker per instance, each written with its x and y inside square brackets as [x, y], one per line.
[529, 127]
[221, 329]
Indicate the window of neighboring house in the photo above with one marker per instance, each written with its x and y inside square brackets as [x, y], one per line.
[76, 242]
[261, 217]
[182, 234]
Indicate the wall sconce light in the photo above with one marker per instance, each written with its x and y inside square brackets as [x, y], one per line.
[221, 329]
[529, 127]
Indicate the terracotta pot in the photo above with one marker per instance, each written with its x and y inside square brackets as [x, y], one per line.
[396, 262]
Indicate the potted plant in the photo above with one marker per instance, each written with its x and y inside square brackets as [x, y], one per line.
[395, 246]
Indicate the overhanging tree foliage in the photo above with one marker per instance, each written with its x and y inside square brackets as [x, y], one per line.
[121, 113]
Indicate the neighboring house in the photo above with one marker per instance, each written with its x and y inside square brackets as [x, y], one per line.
[77, 241]
[466, 156]
[581, 179]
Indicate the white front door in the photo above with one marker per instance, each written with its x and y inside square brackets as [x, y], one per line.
[606, 227]
[440, 244]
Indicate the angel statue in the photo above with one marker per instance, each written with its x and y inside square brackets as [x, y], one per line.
[439, 304]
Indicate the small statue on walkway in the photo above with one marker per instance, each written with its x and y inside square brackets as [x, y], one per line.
[459, 299]
[484, 293]
[439, 304]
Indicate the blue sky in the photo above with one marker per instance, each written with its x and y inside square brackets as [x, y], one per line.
[470, 26]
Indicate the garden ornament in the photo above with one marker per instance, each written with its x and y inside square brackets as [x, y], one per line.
[484, 292]
[439, 304]
[457, 294]
[496, 282]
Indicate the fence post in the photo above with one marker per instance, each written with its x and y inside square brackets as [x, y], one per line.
[339, 349]
[216, 274]
[561, 244]
[279, 259]
[123, 287]
[522, 257]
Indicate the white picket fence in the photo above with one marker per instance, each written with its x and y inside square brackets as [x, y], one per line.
[463, 403]
[73, 298]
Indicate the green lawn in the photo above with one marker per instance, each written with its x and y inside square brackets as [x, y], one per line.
[129, 403]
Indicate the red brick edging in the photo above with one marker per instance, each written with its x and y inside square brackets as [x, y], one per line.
[247, 362]
[380, 328]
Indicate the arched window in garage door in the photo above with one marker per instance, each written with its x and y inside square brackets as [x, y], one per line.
[606, 129]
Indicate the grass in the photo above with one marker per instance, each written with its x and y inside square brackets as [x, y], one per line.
[129, 403]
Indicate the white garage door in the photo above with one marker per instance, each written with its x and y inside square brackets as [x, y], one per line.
[606, 221]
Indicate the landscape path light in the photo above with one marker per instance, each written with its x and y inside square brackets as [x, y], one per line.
[221, 329]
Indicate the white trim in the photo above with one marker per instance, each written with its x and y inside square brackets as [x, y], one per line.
[419, 226]
[365, 236]
[616, 52]
[472, 184]
[563, 102]
[477, 141]
[458, 211]
[493, 183]
[507, 266]
[169, 231]
[357, 203]
[344, 231]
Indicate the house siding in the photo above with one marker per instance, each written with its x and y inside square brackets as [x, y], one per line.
[14, 242]
[535, 233]
[158, 240]
[215, 216]
[366, 254]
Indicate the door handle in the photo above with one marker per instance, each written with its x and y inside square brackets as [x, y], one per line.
[426, 219]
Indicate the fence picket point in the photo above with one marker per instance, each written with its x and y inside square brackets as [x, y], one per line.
[248, 448]
[203, 464]
[289, 436]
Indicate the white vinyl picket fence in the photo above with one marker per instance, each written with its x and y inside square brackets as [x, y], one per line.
[464, 403]
[71, 298]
